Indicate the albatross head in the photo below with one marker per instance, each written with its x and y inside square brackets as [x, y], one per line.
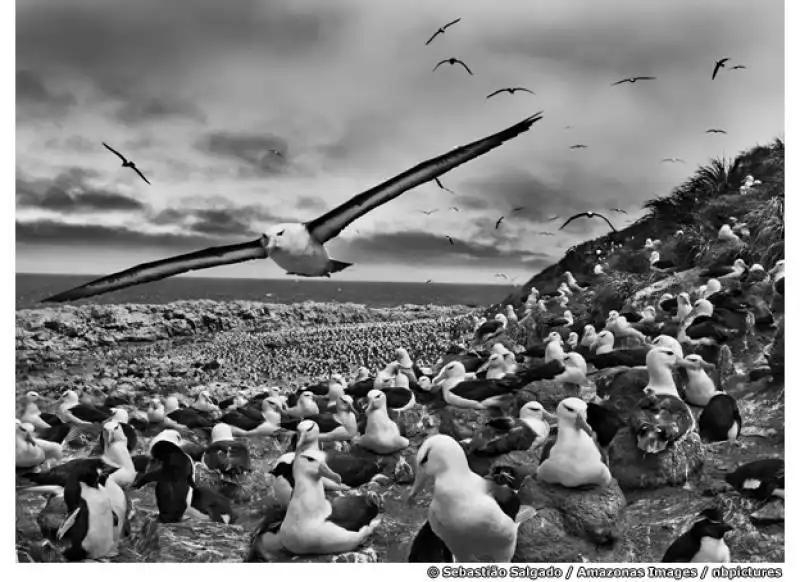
[437, 455]
[287, 236]
[571, 413]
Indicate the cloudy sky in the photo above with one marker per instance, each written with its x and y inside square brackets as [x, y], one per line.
[243, 114]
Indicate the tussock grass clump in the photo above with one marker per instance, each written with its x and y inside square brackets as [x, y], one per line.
[629, 260]
[614, 292]
[767, 231]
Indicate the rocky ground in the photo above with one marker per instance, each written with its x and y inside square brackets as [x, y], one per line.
[243, 346]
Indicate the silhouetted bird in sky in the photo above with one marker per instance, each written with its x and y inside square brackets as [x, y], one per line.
[578, 146]
[588, 215]
[554, 217]
[674, 160]
[717, 66]
[450, 238]
[737, 67]
[429, 281]
[518, 209]
[454, 209]
[453, 61]
[510, 90]
[441, 30]
[439, 183]
[632, 80]
[126, 163]
[429, 212]
[497, 224]
[619, 211]
[716, 131]
[545, 233]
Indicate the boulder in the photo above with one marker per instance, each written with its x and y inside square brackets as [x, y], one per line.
[542, 538]
[634, 469]
[592, 514]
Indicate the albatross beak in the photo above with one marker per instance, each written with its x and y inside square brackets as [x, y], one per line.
[549, 416]
[326, 471]
[581, 423]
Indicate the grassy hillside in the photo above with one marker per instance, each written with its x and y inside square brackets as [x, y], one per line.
[698, 207]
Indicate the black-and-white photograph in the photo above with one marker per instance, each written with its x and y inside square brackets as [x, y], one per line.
[494, 287]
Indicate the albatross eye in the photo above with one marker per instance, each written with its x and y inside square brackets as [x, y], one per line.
[281, 232]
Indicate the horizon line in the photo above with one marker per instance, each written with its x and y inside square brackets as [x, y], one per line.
[288, 279]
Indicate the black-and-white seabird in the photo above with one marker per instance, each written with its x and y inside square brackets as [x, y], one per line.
[125, 162]
[725, 272]
[632, 80]
[717, 66]
[760, 479]
[299, 247]
[720, 419]
[578, 146]
[510, 91]
[453, 61]
[442, 30]
[587, 214]
[714, 130]
[704, 542]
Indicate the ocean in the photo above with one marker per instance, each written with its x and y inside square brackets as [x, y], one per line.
[31, 289]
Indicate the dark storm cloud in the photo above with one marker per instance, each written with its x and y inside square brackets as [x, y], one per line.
[424, 248]
[69, 193]
[264, 153]
[158, 109]
[119, 44]
[49, 232]
[245, 221]
[32, 92]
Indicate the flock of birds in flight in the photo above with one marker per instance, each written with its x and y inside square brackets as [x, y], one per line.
[298, 247]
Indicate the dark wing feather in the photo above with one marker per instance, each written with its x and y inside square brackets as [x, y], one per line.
[463, 64]
[428, 548]
[519, 438]
[440, 63]
[682, 549]
[112, 150]
[607, 220]
[435, 34]
[352, 512]
[331, 224]
[449, 24]
[138, 171]
[157, 270]
[571, 218]
[495, 93]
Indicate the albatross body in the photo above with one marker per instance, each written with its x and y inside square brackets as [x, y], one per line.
[299, 247]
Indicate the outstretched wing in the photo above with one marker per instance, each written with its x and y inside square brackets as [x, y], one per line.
[621, 82]
[645, 78]
[524, 90]
[463, 64]
[156, 270]
[607, 220]
[496, 93]
[571, 218]
[112, 150]
[449, 24]
[440, 63]
[331, 224]
[138, 171]
[435, 34]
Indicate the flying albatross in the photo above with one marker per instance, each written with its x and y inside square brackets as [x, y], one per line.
[299, 247]
[588, 215]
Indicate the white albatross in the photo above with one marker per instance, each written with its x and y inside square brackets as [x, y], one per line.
[298, 248]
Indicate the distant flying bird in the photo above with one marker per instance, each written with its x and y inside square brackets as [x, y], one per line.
[545, 233]
[501, 276]
[588, 215]
[299, 248]
[450, 238]
[441, 30]
[438, 183]
[619, 211]
[275, 152]
[736, 67]
[497, 224]
[632, 80]
[674, 160]
[569, 126]
[453, 61]
[510, 90]
[429, 281]
[717, 66]
[125, 162]
[454, 208]
[554, 217]
[578, 146]
[716, 131]
[429, 212]
[518, 209]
